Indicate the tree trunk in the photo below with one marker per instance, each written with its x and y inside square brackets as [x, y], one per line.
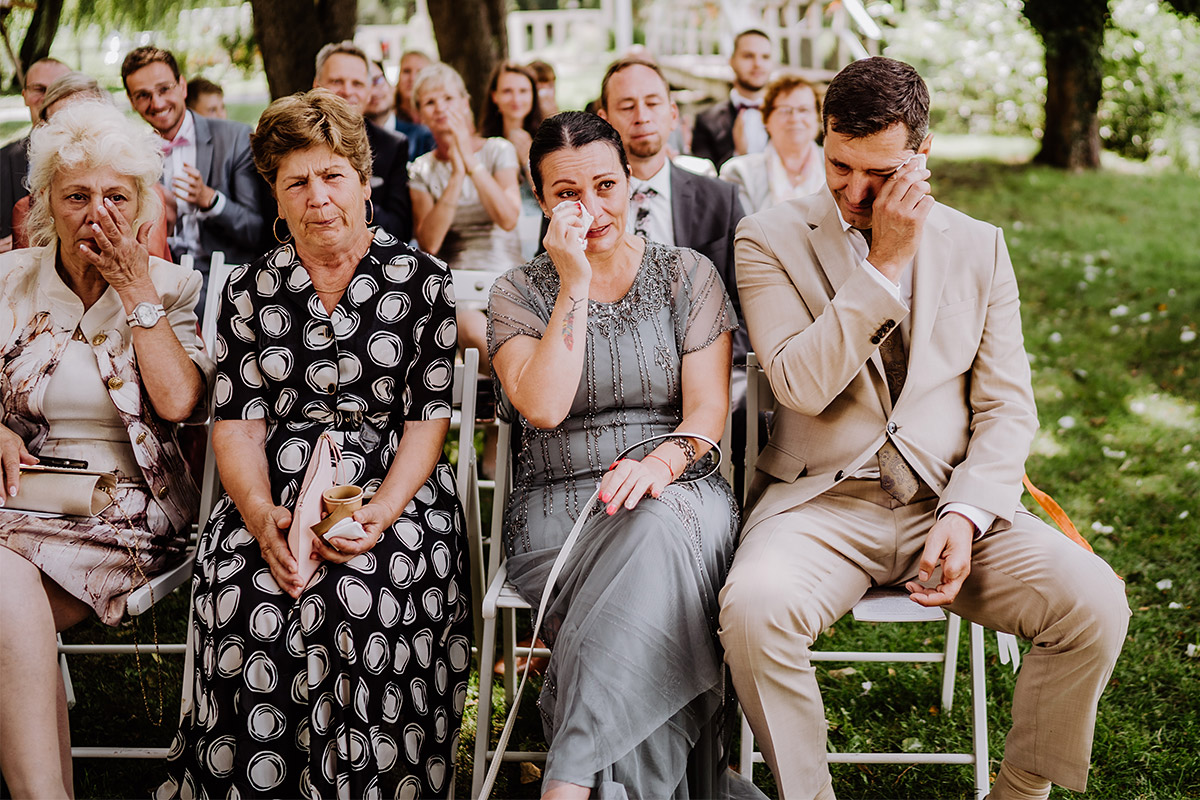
[42, 28]
[290, 35]
[1073, 33]
[472, 38]
[1071, 137]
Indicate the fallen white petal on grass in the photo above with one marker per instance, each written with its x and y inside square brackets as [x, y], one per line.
[1187, 448]
[842, 673]
[866, 686]
[1118, 311]
[1137, 407]
[1187, 335]
[1114, 329]
[1055, 338]
[1066, 423]
[1100, 527]
[1145, 316]
[1169, 605]
[1193, 651]
[1183, 514]
[1110, 453]
[1164, 584]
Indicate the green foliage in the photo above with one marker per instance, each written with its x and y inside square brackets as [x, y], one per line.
[985, 67]
[1151, 103]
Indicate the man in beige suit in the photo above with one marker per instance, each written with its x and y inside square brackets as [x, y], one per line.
[888, 326]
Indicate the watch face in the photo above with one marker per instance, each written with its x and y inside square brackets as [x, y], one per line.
[146, 314]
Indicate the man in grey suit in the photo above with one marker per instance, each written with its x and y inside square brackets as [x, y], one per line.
[14, 157]
[889, 328]
[670, 205]
[217, 195]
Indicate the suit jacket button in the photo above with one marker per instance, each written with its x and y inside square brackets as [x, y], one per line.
[115, 383]
[163, 490]
[99, 339]
[839, 476]
[875, 339]
[892, 427]
[141, 437]
[891, 323]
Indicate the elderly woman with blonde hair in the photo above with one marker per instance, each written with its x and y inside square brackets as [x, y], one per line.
[350, 682]
[98, 358]
[73, 88]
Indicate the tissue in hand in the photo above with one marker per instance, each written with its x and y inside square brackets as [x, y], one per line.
[586, 215]
[346, 529]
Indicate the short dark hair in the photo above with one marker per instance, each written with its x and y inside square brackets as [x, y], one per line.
[542, 71]
[872, 95]
[491, 121]
[626, 63]
[140, 57]
[749, 32]
[199, 86]
[571, 129]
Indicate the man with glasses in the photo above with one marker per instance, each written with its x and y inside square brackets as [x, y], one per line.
[14, 158]
[217, 194]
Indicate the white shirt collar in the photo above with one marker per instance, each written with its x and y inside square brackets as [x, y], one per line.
[739, 99]
[187, 130]
[659, 181]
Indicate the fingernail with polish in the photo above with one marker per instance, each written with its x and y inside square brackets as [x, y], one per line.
[611, 510]
[604, 497]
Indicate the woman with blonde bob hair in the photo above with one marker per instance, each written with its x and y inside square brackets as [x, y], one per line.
[346, 675]
[99, 358]
[464, 193]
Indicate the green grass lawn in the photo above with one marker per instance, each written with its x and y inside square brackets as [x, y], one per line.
[1109, 266]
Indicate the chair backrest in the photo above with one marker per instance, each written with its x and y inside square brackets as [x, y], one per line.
[759, 399]
[466, 378]
[218, 274]
[472, 285]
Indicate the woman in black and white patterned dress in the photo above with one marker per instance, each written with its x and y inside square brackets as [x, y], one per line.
[353, 684]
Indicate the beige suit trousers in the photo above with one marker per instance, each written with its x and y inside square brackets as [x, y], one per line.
[796, 573]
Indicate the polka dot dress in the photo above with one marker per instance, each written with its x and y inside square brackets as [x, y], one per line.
[357, 688]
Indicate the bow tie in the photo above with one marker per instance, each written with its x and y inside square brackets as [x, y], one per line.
[743, 106]
[179, 141]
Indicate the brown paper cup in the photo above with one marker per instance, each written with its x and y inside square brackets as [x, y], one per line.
[337, 497]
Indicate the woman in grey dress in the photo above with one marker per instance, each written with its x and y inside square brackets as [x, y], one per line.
[599, 347]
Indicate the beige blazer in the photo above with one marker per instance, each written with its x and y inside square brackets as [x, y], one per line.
[966, 416]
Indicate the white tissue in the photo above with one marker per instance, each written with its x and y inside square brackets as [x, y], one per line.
[586, 215]
[346, 529]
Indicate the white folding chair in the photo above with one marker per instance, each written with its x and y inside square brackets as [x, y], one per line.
[149, 594]
[759, 396]
[503, 599]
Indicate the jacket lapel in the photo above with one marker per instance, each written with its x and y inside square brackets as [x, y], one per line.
[929, 276]
[682, 194]
[204, 148]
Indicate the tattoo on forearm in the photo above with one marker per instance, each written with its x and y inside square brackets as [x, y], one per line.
[568, 325]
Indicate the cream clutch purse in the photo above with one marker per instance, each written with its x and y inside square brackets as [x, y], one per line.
[56, 490]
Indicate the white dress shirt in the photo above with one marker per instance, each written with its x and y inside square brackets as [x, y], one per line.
[660, 225]
[753, 127]
[186, 236]
[903, 291]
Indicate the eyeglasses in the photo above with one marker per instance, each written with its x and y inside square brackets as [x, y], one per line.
[789, 111]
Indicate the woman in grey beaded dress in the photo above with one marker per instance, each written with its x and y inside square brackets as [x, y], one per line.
[597, 348]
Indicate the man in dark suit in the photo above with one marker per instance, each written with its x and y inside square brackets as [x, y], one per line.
[735, 127]
[14, 157]
[344, 69]
[217, 195]
[670, 205]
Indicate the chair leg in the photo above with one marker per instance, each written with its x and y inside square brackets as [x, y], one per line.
[979, 733]
[510, 657]
[483, 711]
[66, 678]
[950, 662]
[746, 768]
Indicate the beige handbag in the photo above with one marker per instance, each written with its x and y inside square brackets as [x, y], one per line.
[56, 490]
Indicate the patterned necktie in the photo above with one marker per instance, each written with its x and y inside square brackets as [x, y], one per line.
[641, 201]
[895, 475]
